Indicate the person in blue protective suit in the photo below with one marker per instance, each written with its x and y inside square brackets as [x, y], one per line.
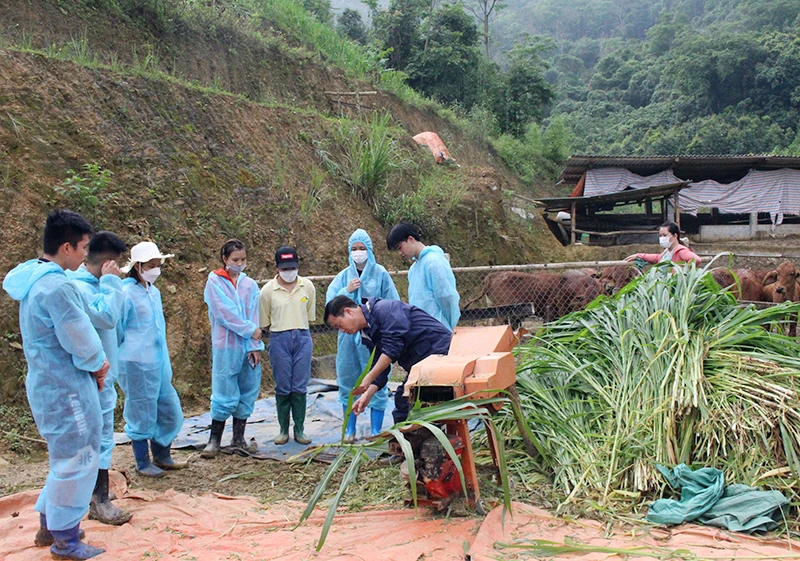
[66, 371]
[152, 409]
[398, 332]
[232, 299]
[99, 283]
[431, 283]
[364, 278]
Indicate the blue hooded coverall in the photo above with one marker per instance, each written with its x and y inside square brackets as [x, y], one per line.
[351, 356]
[233, 313]
[62, 350]
[405, 334]
[152, 407]
[102, 301]
[432, 286]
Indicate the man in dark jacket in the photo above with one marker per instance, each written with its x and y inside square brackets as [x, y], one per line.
[398, 332]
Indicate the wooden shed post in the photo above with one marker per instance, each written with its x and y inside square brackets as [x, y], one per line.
[573, 223]
[677, 209]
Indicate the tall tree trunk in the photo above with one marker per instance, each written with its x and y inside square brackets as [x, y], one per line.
[486, 34]
[430, 23]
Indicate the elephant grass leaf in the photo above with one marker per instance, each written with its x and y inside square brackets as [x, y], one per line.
[351, 398]
[349, 477]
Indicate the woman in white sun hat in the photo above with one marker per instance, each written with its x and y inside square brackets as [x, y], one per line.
[152, 407]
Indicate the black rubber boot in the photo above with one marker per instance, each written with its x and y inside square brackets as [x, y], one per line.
[212, 448]
[101, 508]
[162, 457]
[238, 433]
[43, 537]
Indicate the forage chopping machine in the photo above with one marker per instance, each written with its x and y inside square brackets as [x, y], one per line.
[479, 365]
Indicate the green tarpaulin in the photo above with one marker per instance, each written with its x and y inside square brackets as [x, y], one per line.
[705, 499]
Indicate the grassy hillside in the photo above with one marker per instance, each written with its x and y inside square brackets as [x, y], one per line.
[209, 130]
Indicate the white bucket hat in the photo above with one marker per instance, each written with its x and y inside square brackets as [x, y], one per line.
[143, 252]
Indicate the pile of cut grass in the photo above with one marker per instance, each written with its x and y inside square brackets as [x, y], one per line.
[670, 370]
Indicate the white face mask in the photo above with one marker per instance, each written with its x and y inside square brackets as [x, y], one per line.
[236, 269]
[288, 276]
[150, 275]
[360, 256]
[664, 241]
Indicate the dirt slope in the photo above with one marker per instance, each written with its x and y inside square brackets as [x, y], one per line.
[193, 167]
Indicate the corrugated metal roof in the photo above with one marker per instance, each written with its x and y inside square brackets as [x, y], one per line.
[620, 197]
[720, 167]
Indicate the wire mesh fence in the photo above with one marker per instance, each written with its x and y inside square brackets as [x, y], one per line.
[492, 294]
[532, 293]
[750, 260]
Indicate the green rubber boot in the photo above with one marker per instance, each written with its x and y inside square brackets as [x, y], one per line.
[283, 404]
[299, 417]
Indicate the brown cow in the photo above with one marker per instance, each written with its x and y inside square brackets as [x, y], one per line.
[780, 285]
[752, 285]
[586, 271]
[577, 292]
[744, 284]
[510, 287]
[615, 278]
[552, 295]
[724, 278]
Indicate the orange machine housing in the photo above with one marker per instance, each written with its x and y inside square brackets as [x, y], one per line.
[479, 363]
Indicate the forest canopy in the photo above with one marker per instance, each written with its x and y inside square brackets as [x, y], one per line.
[542, 78]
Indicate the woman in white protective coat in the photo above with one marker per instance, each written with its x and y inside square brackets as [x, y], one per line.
[363, 278]
[232, 300]
[152, 409]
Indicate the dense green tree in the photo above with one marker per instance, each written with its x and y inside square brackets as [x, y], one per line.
[398, 28]
[352, 26]
[321, 10]
[526, 91]
[445, 69]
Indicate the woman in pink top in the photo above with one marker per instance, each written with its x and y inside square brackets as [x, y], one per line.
[669, 239]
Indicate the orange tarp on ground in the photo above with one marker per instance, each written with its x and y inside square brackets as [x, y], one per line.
[704, 542]
[176, 526]
[435, 145]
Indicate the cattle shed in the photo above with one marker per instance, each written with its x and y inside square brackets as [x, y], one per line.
[618, 200]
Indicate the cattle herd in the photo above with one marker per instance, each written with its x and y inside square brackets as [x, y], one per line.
[553, 295]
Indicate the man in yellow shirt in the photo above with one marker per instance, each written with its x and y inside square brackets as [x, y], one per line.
[286, 305]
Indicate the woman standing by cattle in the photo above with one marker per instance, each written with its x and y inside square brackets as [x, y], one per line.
[669, 239]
